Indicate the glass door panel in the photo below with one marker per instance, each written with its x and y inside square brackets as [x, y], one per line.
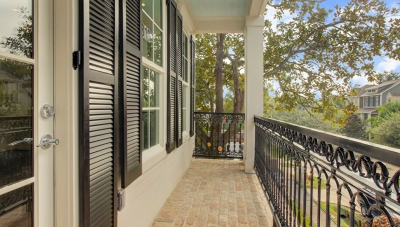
[15, 121]
[16, 118]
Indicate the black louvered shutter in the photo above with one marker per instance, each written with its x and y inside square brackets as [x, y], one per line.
[179, 64]
[192, 84]
[130, 91]
[171, 76]
[98, 101]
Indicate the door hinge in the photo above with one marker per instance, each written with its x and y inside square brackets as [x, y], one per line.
[76, 59]
[121, 199]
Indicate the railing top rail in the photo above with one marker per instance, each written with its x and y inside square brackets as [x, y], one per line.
[219, 113]
[380, 152]
[14, 117]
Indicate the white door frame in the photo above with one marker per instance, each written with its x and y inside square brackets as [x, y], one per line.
[43, 94]
[66, 156]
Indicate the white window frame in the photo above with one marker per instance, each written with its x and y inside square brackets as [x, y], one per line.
[163, 42]
[155, 154]
[186, 85]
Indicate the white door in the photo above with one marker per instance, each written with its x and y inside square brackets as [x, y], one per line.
[26, 84]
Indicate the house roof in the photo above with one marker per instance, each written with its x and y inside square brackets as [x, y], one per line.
[388, 84]
[367, 110]
[220, 16]
[6, 76]
[394, 93]
[383, 84]
[363, 89]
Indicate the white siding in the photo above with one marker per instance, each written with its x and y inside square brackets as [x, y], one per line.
[147, 194]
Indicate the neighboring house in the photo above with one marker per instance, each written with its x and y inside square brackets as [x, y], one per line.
[371, 96]
[120, 76]
[393, 97]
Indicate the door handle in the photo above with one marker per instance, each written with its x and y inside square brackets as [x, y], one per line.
[47, 140]
[25, 140]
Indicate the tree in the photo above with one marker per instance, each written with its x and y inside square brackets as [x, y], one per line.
[354, 127]
[314, 55]
[219, 60]
[388, 131]
[384, 112]
[301, 116]
[19, 44]
[205, 77]
[219, 90]
[387, 76]
[22, 42]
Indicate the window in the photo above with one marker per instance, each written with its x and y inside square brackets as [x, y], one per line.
[151, 108]
[185, 78]
[184, 112]
[365, 116]
[365, 101]
[185, 58]
[152, 30]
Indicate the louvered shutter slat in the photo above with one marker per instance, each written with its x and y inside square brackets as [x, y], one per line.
[179, 63]
[174, 75]
[98, 118]
[171, 75]
[131, 90]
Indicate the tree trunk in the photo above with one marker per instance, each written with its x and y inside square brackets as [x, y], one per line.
[238, 96]
[219, 90]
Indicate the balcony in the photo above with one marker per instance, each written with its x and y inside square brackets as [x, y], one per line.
[304, 177]
[216, 192]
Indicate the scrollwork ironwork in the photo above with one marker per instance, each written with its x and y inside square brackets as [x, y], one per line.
[279, 145]
[219, 135]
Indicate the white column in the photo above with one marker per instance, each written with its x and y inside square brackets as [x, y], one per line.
[253, 85]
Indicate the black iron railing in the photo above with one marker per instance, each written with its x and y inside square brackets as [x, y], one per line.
[15, 160]
[219, 135]
[314, 178]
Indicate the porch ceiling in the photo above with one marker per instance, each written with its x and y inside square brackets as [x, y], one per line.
[221, 16]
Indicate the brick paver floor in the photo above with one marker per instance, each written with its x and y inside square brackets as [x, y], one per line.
[216, 192]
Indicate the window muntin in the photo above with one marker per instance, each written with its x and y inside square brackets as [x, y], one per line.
[151, 108]
[152, 30]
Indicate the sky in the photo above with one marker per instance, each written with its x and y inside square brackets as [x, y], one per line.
[381, 64]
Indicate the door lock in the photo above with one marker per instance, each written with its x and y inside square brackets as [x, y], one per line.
[47, 140]
[47, 111]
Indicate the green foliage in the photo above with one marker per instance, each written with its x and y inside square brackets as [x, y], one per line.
[301, 116]
[344, 222]
[22, 43]
[384, 112]
[387, 76]
[354, 127]
[320, 51]
[387, 132]
[315, 183]
[205, 78]
[233, 80]
[299, 214]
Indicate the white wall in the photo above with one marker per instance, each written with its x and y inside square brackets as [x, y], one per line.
[147, 194]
